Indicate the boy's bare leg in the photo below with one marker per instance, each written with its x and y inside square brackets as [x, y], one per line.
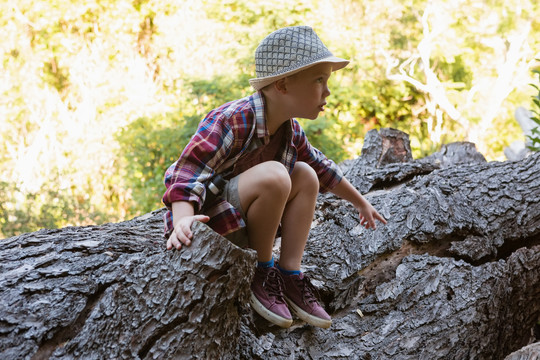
[264, 190]
[269, 195]
[298, 215]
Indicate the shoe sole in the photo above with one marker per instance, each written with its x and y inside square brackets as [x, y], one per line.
[310, 319]
[268, 315]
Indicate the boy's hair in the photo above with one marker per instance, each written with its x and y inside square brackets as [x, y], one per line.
[287, 51]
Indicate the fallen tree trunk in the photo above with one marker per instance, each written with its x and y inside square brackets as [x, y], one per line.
[454, 274]
[113, 291]
[529, 352]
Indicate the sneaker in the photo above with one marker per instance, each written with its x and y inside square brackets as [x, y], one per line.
[267, 296]
[300, 295]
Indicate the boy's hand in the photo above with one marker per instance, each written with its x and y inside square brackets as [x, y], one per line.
[182, 231]
[366, 211]
[368, 215]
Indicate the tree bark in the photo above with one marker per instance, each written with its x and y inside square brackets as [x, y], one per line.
[114, 292]
[530, 352]
[455, 274]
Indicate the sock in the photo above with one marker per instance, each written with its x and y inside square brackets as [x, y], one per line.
[266, 264]
[288, 272]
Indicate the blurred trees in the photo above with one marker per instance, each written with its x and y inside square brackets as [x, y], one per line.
[534, 137]
[99, 97]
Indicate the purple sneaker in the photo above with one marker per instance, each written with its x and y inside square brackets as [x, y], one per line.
[267, 296]
[300, 295]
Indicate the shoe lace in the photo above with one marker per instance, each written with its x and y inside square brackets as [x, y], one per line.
[273, 283]
[310, 294]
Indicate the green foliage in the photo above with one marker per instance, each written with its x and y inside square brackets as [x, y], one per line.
[148, 146]
[99, 98]
[211, 93]
[249, 13]
[50, 207]
[321, 136]
[535, 137]
[56, 76]
[457, 71]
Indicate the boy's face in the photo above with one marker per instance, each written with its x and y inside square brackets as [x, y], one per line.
[308, 90]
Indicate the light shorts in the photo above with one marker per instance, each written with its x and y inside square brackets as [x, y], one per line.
[230, 194]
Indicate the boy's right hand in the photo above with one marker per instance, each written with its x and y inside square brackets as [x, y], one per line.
[182, 231]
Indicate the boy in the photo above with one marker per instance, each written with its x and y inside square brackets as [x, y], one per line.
[273, 173]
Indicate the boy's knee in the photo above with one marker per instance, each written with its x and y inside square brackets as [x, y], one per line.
[306, 175]
[305, 169]
[276, 176]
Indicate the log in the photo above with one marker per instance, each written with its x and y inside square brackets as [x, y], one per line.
[114, 292]
[455, 274]
[529, 352]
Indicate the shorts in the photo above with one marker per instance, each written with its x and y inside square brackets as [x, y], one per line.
[231, 195]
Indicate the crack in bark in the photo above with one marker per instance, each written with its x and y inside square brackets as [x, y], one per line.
[383, 268]
[392, 183]
[510, 246]
[159, 332]
[65, 334]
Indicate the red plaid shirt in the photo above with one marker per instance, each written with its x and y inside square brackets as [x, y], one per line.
[223, 136]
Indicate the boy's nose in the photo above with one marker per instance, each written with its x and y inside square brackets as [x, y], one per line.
[326, 92]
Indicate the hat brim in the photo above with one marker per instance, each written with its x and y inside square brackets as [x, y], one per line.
[259, 83]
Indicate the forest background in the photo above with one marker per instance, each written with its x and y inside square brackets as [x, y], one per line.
[98, 97]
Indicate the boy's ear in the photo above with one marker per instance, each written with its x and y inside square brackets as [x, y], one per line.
[281, 85]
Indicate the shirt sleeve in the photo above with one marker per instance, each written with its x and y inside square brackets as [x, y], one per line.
[328, 172]
[206, 150]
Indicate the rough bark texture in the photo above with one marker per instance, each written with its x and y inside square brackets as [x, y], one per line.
[530, 352]
[113, 292]
[455, 274]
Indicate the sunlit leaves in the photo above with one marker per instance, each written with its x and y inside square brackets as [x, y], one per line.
[534, 138]
[97, 98]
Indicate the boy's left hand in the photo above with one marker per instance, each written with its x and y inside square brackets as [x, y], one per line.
[366, 211]
[368, 215]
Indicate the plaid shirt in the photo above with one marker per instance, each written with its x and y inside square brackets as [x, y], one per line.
[223, 136]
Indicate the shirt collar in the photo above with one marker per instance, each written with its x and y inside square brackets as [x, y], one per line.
[259, 106]
[257, 99]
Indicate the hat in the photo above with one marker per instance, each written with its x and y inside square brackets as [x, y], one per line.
[287, 51]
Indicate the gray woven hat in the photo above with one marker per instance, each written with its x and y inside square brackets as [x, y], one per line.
[287, 51]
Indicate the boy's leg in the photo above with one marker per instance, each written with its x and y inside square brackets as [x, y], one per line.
[298, 215]
[298, 291]
[263, 191]
[269, 196]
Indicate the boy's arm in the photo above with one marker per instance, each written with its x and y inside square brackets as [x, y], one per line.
[368, 214]
[183, 217]
[329, 174]
[328, 171]
[203, 155]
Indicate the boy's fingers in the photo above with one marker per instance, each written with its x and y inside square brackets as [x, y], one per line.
[173, 242]
[202, 218]
[176, 240]
[177, 243]
[184, 235]
[182, 232]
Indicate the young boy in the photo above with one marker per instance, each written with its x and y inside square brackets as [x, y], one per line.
[272, 173]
